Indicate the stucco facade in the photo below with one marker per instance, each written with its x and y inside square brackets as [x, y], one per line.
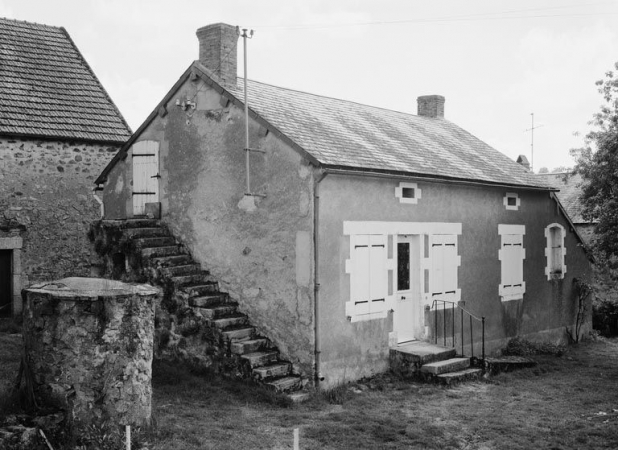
[350, 350]
[262, 254]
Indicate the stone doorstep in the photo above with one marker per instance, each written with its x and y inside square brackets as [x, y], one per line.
[211, 301]
[462, 375]
[235, 320]
[147, 242]
[278, 369]
[257, 359]
[249, 346]
[447, 365]
[185, 269]
[423, 352]
[131, 223]
[135, 233]
[202, 289]
[285, 384]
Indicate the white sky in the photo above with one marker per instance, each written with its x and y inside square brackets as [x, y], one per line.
[495, 61]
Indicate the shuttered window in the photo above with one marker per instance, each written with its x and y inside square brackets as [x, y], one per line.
[368, 271]
[555, 251]
[444, 262]
[512, 255]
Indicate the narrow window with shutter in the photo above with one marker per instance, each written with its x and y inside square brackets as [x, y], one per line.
[512, 255]
[555, 251]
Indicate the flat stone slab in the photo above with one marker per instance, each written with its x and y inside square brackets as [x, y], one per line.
[448, 365]
[425, 352]
[461, 375]
[496, 365]
[81, 287]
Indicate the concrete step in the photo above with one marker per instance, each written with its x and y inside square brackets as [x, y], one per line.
[257, 359]
[448, 365]
[277, 369]
[230, 321]
[155, 252]
[211, 300]
[238, 334]
[459, 376]
[217, 312]
[186, 269]
[171, 261]
[134, 233]
[286, 384]
[205, 288]
[250, 346]
[406, 359]
[147, 242]
[495, 365]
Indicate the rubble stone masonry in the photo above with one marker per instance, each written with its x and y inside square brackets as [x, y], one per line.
[46, 199]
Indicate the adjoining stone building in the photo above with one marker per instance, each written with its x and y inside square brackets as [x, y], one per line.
[58, 129]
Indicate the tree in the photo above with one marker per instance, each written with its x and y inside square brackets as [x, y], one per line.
[597, 162]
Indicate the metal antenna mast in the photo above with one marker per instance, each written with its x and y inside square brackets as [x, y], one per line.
[531, 130]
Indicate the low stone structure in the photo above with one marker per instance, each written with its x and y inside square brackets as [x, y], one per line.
[88, 346]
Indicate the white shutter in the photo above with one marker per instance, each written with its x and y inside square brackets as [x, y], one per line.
[145, 155]
[378, 289]
[451, 261]
[512, 257]
[436, 281]
[360, 274]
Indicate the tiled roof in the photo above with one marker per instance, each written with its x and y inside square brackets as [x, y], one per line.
[351, 135]
[570, 190]
[48, 90]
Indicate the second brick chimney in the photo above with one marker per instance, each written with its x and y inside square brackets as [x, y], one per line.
[431, 106]
[218, 51]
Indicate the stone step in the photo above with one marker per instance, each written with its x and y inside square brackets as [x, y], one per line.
[406, 359]
[250, 346]
[191, 279]
[135, 233]
[495, 365]
[238, 334]
[459, 376]
[448, 365]
[286, 384]
[155, 252]
[147, 242]
[257, 359]
[278, 369]
[210, 301]
[186, 269]
[171, 261]
[132, 223]
[206, 288]
[216, 312]
[231, 321]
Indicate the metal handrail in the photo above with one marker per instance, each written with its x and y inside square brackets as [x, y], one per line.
[470, 315]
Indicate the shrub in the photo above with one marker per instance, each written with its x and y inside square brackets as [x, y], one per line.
[605, 317]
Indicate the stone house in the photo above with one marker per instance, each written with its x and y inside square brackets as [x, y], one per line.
[344, 230]
[58, 129]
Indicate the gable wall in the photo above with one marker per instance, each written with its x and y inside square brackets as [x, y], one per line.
[46, 192]
[263, 258]
[350, 350]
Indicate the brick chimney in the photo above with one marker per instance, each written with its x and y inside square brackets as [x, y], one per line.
[431, 106]
[521, 159]
[218, 51]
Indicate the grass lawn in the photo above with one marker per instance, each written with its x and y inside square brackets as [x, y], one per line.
[568, 402]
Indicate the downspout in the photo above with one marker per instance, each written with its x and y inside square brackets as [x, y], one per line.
[99, 201]
[316, 280]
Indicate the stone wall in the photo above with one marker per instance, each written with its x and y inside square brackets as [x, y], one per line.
[46, 194]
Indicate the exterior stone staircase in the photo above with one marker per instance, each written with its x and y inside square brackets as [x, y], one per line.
[431, 362]
[195, 321]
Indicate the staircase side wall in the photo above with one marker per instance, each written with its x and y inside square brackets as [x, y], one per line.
[260, 249]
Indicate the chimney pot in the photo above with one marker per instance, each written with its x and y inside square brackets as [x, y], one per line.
[431, 106]
[218, 51]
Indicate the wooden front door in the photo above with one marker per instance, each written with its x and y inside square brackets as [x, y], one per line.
[408, 318]
[145, 175]
[6, 293]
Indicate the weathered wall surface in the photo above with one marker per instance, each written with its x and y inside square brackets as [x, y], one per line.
[259, 248]
[352, 350]
[46, 191]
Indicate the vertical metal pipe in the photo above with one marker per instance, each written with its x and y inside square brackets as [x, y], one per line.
[471, 340]
[462, 333]
[483, 324]
[453, 323]
[435, 322]
[444, 322]
[244, 38]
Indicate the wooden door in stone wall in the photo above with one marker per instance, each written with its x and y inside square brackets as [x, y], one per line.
[5, 283]
[145, 156]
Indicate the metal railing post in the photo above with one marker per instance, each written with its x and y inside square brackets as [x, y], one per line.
[453, 323]
[435, 322]
[471, 340]
[444, 323]
[483, 324]
[462, 334]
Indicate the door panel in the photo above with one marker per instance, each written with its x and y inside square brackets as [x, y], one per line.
[408, 320]
[145, 175]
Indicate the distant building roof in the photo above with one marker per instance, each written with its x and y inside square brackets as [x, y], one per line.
[48, 90]
[570, 190]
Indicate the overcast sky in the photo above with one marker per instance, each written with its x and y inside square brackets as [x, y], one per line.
[496, 62]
